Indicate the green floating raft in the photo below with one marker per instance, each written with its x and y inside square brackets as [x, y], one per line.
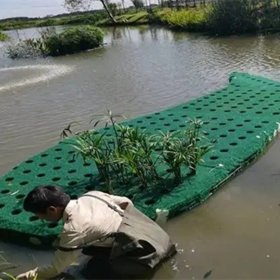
[241, 119]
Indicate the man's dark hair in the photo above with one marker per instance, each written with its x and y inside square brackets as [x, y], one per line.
[42, 197]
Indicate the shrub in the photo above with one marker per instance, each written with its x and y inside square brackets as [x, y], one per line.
[232, 17]
[74, 40]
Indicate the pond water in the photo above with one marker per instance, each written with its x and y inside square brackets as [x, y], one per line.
[140, 70]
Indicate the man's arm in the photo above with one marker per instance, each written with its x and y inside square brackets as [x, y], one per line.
[67, 254]
[62, 259]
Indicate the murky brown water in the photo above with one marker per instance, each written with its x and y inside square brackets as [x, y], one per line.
[236, 233]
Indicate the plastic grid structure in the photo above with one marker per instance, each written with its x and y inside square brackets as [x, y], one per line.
[241, 119]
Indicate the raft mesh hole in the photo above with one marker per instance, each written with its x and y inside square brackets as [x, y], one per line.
[224, 150]
[86, 164]
[20, 196]
[16, 211]
[71, 152]
[214, 128]
[242, 137]
[230, 119]
[150, 201]
[212, 110]
[214, 118]
[29, 161]
[152, 122]
[52, 225]
[259, 112]
[176, 120]
[58, 149]
[42, 164]
[5, 191]
[214, 157]
[72, 183]
[250, 131]
[57, 167]
[239, 125]
[167, 124]
[41, 175]
[87, 175]
[44, 155]
[227, 111]
[182, 125]
[139, 121]
[9, 179]
[247, 120]
[72, 171]
[148, 117]
[161, 119]
[265, 121]
[2, 205]
[55, 179]
[26, 171]
[223, 136]
[233, 144]
[257, 126]
[58, 158]
[242, 111]
[23, 183]
[275, 113]
[71, 161]
[170, 115]
[33, 218]
[231, 130]
[222, 123]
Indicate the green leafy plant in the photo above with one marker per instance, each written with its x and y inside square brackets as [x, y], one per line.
[132, 154]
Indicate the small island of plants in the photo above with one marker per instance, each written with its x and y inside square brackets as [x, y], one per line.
[72, 40]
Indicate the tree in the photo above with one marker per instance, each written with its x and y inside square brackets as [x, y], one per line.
[86, 4]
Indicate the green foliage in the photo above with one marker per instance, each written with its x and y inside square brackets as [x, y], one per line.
[232, 17]
[133, 157]
[187, 19]
[50, 43]
[3, 36]
[74, 40]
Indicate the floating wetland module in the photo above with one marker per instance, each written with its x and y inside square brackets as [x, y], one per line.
[241, 119]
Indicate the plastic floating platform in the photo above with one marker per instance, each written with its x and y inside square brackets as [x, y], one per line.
[241, 119]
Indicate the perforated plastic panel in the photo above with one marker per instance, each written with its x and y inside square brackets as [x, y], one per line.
[241, 118]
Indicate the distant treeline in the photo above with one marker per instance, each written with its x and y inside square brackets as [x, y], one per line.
[219, 17]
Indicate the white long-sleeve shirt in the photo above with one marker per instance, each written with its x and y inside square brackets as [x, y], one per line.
[87, 221]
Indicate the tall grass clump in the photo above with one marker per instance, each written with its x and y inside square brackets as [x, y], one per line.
[187, 19]
[3, 37]
[232, 17]
[132, 157]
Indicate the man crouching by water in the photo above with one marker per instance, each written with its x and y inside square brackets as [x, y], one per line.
[124, 243]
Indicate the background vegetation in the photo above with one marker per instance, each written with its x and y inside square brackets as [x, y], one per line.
[50, 43]
[219, 17]
[3, 36]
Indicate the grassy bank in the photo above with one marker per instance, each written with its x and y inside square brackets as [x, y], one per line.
[222, 17]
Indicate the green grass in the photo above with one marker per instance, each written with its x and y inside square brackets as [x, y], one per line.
[3, 37]
[186, 19]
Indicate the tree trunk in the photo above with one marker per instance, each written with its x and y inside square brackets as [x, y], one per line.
[104, 3]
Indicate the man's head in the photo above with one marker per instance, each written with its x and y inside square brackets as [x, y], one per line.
[47, 202]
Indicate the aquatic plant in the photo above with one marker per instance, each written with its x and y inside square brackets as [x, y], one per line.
[50, 43]
[74, 40]
[132, 154]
